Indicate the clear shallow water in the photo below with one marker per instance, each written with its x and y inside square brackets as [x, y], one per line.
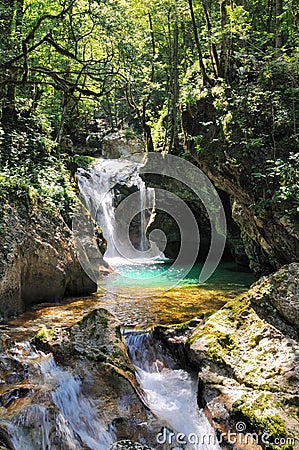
[140, 302]
[145, 294]
[164, 274]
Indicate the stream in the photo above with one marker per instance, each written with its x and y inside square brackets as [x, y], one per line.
[171, 394]
[46, 407]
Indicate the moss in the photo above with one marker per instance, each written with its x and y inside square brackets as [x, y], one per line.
[280, 275]
[123, 367]
[260, 413]
[103, 321]
[117, 354]
[44, 334]
[83, 161]
[179, 326]
[227, 126]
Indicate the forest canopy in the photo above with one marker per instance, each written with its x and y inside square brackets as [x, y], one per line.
[139, 64]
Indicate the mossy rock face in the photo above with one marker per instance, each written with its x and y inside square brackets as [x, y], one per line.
[95, 337]
[248, 358]
[260, 412]
[281, 291]
[226, 136]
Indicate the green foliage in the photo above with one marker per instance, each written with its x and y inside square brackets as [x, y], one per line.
[44, 334]
[282, 179]
[33, 172]
[134, 62]
[83, 161]
[251, 125]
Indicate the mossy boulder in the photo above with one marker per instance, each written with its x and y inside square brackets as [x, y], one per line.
[248, 360]
[281, 291]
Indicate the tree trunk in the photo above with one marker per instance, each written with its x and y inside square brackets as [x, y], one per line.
[213, 49]
[206, 80]
[8, 74]
[174, 138]
[223, 60]
[278, 32]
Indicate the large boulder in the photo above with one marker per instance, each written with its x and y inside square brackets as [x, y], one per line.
[247, 355]
[118, 144]
[93, 350]
[38, 261]
[85, 397]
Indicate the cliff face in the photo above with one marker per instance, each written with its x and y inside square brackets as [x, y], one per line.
[38, 262]
[244, 142]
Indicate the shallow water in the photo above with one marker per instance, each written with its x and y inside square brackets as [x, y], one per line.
[143, 295]
[139, 304]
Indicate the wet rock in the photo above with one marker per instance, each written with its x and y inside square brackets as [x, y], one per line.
[38, 262]
[247, 356]
[93, 350]
[11, 370]
[117, 144]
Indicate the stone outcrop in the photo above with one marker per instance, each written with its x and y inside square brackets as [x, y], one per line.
[91, 359]
[93, 349]
[234, 249]
[117, 145]
[247, 358]
[38, 261]
[217, 128]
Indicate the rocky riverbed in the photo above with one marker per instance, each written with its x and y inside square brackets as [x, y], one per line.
[246, 356]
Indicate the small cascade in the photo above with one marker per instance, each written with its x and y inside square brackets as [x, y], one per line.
[170, 393]
[57, 414]
[75, 409]
[100, 192]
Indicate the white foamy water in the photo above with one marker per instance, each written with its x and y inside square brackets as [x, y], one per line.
[171, 394]
[62, 415]
[99, 189]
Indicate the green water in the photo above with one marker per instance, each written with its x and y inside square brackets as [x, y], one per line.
[142, 296]
[145, 294]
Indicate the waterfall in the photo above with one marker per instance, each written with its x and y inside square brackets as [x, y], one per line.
[76, 410]
[170, 393]
[100, 192]
[59, 414]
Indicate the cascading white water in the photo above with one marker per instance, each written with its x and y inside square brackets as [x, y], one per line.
[96, 188]
[170, 393]
[62, 415]
[75, 409]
